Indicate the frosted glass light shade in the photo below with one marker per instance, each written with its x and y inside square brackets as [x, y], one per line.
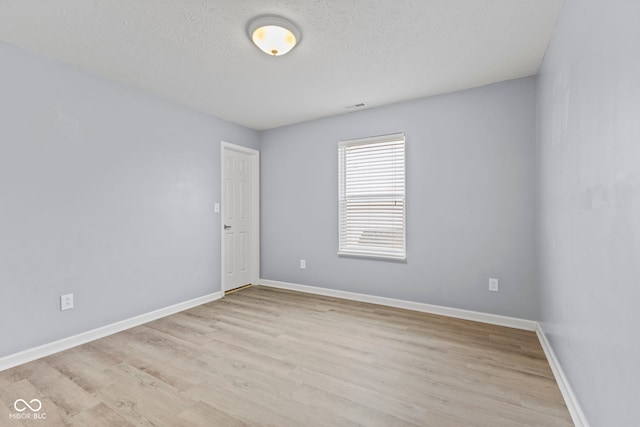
[274, 35]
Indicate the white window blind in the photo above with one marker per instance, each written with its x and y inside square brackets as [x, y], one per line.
[372, 197]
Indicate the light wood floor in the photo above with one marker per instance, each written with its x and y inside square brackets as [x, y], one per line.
[278, 358]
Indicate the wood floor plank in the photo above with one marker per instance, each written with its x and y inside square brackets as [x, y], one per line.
[202, 414]
[99, 416]
[267, 357]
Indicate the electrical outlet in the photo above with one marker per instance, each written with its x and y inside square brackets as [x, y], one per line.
[493, 285]
[66, 302]
[303, 264]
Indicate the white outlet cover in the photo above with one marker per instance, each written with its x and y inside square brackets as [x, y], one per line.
[493, 285]
[303, 263]
[66, 302]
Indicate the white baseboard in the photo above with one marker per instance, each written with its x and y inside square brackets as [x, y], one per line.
[31, 354]
[578, 417]
[494, 319]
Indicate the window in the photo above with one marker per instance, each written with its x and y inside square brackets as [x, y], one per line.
[372, 197]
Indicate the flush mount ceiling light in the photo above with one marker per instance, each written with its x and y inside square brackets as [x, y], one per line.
[273, 35]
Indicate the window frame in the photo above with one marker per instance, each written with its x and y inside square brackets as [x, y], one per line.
[374, 252]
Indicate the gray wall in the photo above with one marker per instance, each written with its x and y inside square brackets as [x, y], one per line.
[589, 130]
[106, 192]
[470, 201]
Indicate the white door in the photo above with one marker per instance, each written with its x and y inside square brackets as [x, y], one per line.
[239, 227]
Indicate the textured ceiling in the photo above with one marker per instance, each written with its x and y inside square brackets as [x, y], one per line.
[197, 53]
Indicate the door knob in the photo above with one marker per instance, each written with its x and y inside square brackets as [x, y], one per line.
[227, 227]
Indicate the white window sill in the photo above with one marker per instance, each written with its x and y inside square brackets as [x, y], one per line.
[387, 257]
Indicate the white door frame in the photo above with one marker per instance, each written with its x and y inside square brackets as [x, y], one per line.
[254, 244]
